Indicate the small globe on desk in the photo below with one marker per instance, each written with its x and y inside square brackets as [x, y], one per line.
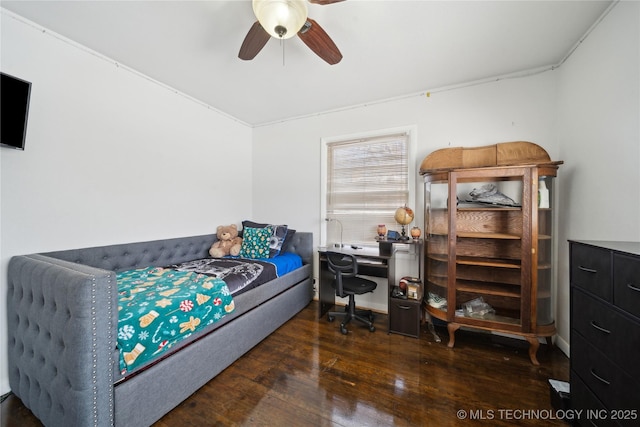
[404, 216]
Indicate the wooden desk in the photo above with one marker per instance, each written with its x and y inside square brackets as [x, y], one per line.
[370, 263]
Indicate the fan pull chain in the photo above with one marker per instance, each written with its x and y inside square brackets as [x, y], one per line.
[282, 43]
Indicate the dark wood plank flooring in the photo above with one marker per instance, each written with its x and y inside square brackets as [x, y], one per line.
[308, 374]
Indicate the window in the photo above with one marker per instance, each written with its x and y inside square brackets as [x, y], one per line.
[367, 179]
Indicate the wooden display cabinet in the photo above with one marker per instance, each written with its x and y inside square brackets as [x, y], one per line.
[497, 254]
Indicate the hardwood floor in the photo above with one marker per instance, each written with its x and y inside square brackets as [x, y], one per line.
[308, 374]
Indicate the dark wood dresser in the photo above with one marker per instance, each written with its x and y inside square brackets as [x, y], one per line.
[605, 332]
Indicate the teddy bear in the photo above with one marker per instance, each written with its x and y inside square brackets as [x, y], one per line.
[228, 242]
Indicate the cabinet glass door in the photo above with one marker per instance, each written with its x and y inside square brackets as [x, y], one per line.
[544, 313]
[436, 240]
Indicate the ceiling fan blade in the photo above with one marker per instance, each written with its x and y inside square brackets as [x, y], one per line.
[324, 1]
[253, 42]
[319, 41]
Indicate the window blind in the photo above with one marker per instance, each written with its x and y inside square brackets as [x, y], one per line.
[367, 180]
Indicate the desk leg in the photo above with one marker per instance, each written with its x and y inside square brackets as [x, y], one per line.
[326, 293]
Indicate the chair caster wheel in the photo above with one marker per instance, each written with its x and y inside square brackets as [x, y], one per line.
[330, 319]
[343, 329]
[372, 328]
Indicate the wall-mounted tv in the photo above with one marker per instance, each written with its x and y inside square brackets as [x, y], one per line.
[14, 110]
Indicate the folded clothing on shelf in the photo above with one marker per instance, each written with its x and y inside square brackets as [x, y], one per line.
[436, 301]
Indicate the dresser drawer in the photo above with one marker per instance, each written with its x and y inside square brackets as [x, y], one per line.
[614, 388]
[591, 270]
[587, 406]
[607, 330]
[626, 283]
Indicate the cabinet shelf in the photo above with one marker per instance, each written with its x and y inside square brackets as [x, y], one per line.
[481, 235]
[440, 282]
[482, 321]
[487, 289]
[436, 312]
[488, 262]
[438, 257]
[489, 208]
[485, 262]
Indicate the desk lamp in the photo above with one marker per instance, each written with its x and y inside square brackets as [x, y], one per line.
[340, 223]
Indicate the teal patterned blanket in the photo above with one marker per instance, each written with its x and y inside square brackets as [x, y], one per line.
[157, 307]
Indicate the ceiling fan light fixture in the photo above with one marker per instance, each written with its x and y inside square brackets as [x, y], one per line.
[282, 19]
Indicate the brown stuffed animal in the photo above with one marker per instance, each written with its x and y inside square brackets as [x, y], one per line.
[228, 242]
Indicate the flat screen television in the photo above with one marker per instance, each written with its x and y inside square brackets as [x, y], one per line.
[14, 110]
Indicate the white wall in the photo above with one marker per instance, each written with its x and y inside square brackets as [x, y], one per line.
[111, 157]
[599, 140]
[509, 110]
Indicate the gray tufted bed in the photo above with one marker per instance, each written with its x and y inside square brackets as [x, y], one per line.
[62, 325]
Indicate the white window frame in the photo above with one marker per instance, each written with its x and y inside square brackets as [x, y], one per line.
[411, 132]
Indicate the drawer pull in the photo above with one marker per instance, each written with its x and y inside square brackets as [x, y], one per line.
[404, 307]
[599, 378]
[587, 270]
[633, 288]
[600, 328]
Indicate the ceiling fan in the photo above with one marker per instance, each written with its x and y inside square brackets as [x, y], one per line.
[283, 19]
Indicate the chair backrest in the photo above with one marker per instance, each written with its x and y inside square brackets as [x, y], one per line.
[341, 265]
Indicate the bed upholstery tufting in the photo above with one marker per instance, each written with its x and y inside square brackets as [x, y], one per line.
[62, 322]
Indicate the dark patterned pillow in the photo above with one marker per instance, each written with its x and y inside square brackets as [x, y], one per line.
[288, 239]
[255, 242]
[278, 236]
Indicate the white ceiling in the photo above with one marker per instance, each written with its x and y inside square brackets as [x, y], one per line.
[390, 48]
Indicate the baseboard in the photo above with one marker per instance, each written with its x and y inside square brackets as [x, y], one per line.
[562, 345]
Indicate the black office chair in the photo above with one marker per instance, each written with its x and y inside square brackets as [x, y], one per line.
[347, 283]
